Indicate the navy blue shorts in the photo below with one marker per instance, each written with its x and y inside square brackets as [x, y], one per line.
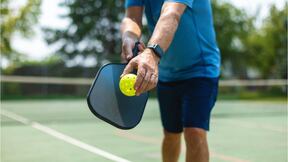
[187, 103]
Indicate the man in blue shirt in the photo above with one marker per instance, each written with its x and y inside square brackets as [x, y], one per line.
[182, 59]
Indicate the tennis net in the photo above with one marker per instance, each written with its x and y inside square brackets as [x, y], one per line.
[78, 87]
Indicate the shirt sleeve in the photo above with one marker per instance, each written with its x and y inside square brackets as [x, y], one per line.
[130, 3]
[188, 3]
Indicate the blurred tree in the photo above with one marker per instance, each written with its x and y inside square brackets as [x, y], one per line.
[16, 21]
[268, 45]
[93, 31]
[232, 26]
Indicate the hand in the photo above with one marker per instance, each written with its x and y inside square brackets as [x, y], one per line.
[127, 46]
[147, 74]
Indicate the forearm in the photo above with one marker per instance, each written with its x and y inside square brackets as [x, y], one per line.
[130, 29]
[132, 23]
[167, 25]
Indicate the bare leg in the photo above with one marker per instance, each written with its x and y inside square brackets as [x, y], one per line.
[171, 146]
[196, 144]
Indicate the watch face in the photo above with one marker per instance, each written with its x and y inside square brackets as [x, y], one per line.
[157, 49]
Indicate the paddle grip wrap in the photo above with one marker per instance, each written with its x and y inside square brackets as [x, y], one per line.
[135, 50]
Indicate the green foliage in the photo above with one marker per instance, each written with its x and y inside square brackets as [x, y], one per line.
[16, 21]
[51, 61]
[94, 29]
[268, 45]
[232, 26]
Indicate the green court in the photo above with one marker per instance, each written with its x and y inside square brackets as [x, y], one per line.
[66, 131]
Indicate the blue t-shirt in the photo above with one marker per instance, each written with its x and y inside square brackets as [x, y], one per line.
[193, 51]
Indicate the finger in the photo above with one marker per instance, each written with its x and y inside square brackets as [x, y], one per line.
[141, 47]
[127, 50]
[140, 77]
[123, 58]
[154, 81]
[129, 67]
[145, 83]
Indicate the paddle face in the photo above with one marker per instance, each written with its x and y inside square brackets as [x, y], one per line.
[108, 103]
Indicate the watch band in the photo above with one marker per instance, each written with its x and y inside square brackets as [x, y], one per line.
[156, 49]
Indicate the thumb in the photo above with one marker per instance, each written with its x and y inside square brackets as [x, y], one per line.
[141, 47]
[128, 52]
[129, 68]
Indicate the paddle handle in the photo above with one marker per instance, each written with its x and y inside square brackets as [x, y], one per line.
[135, 50]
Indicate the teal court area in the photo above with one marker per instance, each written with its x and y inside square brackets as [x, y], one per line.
[66, 131]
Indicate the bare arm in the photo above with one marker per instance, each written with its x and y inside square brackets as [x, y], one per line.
[147, 61]
[131, 30]
[167, 24]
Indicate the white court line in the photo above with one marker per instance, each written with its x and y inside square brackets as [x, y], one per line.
[63, 137]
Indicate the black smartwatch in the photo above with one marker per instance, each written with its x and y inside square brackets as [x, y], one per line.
[156, 49]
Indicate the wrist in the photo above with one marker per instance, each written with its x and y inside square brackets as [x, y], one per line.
[156, 49]
[129, 36]
[153, 54]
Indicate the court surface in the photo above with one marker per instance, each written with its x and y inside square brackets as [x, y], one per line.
[66, 131]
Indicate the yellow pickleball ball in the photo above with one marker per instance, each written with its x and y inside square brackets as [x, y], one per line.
[126, 84]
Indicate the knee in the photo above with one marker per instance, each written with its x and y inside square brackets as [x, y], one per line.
[194, 137]
[172, 137]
